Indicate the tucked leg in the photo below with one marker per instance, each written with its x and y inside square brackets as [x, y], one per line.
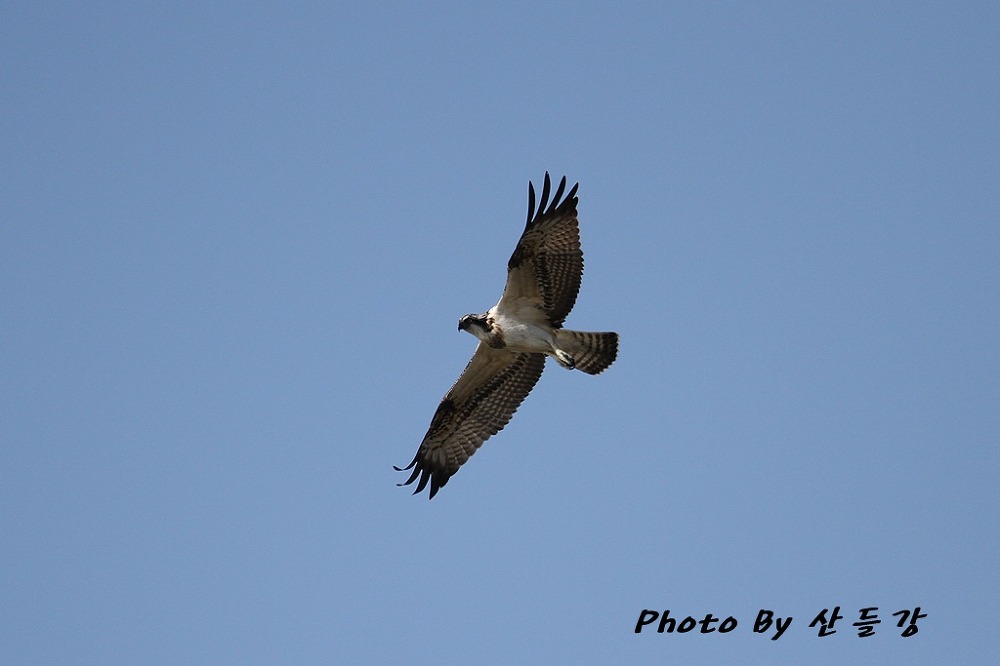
[565, 360]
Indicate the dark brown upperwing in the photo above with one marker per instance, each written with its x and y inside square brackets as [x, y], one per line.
[547, 263]
[482, 401]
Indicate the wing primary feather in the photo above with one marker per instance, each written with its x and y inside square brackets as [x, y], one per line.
[413, 476]
[572, 194]
[531, 203]
[424, 477]
[544, 201]
[559, 191]
[403, 469]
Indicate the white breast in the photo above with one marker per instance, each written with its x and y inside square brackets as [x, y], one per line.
[524, 327]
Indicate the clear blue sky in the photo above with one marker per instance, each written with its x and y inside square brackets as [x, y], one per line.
[236, 239]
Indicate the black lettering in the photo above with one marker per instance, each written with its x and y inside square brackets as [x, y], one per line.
[663, 621]
[686, 625]
[707, 622]
[645, 617]
[781, 627]
[763, 621]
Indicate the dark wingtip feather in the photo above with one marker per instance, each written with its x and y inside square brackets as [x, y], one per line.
[403, 469]
[425, 475]
[572, 193]
[559, 192]
[544, 201]
[548, 206]
[531, 202]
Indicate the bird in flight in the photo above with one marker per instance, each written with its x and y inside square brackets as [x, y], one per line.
[515, 336]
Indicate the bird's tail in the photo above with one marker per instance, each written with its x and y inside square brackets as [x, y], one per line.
[591, 352]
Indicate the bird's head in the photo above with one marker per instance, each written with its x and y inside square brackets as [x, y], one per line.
[471, 321]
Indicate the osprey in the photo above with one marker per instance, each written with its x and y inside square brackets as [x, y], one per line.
[515, 336]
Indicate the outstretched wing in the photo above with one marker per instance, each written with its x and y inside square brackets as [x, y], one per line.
[479, 405]
[547, 263]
